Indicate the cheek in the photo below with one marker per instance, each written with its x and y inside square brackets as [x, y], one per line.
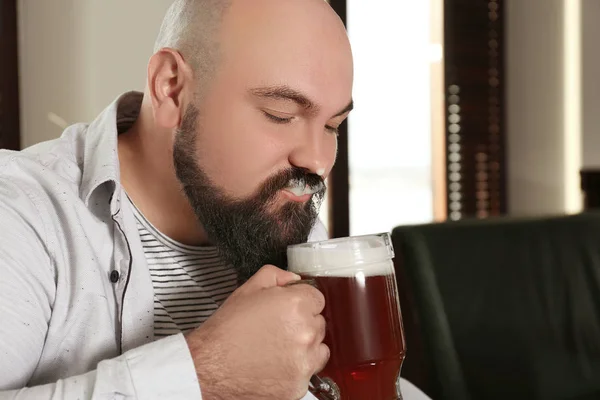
[335, 150]
[238, 152]
[331, 154]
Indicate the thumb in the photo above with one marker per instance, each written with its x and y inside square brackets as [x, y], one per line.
[269, 276]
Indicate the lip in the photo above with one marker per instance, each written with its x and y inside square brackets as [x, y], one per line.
[299, 199]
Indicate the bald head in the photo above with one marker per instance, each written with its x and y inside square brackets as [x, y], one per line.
[198, 28]
[192, 28]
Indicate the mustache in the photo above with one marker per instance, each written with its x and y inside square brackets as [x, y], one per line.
[292, 176]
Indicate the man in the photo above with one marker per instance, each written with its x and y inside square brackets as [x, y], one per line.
[126, 232]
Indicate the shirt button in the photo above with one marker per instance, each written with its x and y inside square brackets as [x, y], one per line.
[114, 276]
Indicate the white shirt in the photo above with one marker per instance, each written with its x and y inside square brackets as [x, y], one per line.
[76, 298]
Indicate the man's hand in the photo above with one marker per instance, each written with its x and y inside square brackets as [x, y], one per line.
[265, 342]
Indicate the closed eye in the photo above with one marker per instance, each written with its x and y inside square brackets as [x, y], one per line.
[286, 120]
[276, 119]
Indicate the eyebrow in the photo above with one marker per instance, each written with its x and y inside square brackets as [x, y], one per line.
[283, 92]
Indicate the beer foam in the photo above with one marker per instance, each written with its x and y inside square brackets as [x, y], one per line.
[366, 270]
[368, 255]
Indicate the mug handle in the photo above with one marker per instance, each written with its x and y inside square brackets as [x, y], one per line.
[321, 388]
[324, 388]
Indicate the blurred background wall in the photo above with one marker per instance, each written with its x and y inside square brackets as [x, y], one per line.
[77, 56]
[535, 107]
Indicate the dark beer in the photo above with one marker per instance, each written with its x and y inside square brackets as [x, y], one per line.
[364, 334]
[364, 326]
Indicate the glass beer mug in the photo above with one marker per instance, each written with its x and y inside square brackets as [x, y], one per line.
[364, 326]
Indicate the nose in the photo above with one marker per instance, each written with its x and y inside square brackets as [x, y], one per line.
[315, 152]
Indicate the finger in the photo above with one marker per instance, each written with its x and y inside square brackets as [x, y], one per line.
[321, 328]
[321, 357]
[313, 296]
[267, 277]
[286, 277]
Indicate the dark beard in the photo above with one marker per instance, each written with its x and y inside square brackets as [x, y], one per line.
[247, 234]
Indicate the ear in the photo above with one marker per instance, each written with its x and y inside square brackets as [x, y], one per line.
[168, 78]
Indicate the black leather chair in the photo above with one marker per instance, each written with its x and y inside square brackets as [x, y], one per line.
[590, 185]
[502, 308]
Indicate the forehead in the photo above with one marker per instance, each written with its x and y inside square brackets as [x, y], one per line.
[307, 51]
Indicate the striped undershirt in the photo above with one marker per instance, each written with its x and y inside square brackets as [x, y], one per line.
[189, 282]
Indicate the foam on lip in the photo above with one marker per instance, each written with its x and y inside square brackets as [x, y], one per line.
[300, 188]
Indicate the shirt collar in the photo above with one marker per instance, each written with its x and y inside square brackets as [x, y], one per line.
[101, 156]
